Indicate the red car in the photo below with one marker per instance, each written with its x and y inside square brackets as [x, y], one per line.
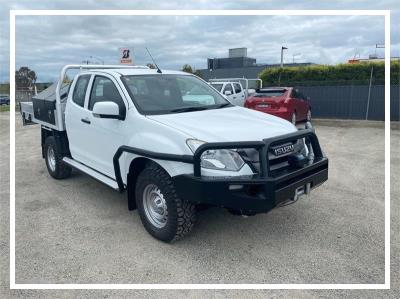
[285, 102]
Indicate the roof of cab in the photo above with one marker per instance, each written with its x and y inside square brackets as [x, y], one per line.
[135, 71]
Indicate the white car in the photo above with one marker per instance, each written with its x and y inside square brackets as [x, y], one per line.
[233, 91]
[173, 143]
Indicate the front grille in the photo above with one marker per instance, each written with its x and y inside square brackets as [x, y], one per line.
[277, 164]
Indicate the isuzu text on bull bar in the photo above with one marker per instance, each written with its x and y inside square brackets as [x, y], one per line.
[173, 143]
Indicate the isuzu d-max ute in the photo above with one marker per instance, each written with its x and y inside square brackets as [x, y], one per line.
[173, 143]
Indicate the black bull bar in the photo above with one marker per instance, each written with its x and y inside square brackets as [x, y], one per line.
[255, 193]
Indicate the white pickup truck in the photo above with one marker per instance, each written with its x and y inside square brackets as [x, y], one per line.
[174, 143]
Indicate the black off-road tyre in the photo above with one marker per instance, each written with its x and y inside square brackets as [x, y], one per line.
[57, 169]
[181, 214]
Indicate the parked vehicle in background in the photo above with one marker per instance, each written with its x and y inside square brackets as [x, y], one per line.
[233, 91]
[4, 100]
[285, 102]
[236, 90]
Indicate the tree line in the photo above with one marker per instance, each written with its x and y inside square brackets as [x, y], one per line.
[355, 74]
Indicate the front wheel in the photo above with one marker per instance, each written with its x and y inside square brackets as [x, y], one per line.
[163, 214]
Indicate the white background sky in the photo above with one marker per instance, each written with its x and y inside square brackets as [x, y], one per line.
[46, 43]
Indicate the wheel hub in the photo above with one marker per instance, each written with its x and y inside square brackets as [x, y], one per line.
[155, 206]
[51, 158]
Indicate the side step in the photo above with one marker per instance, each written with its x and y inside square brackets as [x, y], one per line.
[91, 172]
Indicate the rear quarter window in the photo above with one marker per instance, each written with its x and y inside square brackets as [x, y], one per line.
[78, 97]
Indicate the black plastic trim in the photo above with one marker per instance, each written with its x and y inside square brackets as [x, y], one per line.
[267, 180]
[147, 154]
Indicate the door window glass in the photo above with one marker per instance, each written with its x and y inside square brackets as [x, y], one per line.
[238, 88]
[228, 87]
[104, 90]
[78, 97]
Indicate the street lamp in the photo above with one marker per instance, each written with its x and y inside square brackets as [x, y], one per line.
[294, 55]
[280, 73]
[283, 48]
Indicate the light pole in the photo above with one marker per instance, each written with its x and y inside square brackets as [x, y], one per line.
[280, 73]
[282, 49]
[294, 55]
[377, 46]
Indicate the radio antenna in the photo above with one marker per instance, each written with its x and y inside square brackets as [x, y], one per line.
[158, 69]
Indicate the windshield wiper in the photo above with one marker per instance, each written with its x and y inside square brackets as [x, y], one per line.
[188, 109]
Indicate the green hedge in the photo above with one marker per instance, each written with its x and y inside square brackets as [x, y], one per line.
[358, 73]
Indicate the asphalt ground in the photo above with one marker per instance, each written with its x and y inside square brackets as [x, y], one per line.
[80, 231]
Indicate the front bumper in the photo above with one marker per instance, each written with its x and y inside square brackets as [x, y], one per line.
[250, 194]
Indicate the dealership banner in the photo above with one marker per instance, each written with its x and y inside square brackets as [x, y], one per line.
[125, 56]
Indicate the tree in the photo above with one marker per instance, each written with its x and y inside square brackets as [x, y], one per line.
[187, 68]
[67, 80]
[198, 74]
[150, 65]
[25, 78]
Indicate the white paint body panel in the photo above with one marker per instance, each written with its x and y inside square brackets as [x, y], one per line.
[95, 144]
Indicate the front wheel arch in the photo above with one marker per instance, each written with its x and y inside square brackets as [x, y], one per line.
[136, 166]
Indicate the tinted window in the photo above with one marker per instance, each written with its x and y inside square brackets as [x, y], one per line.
[295, 94]
[270, 93]
[80, 90]
[159, 94]
[217, 86]
[104, 90]
[228, 87]
[237, 87]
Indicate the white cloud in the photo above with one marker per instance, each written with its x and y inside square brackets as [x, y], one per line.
[46, 43]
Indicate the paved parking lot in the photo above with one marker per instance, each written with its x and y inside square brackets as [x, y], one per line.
[80, 231]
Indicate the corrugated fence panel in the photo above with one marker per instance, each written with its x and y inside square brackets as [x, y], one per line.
[350, 101]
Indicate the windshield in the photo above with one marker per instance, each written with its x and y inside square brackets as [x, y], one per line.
[217, 86]
[264, 93]
[162, 94]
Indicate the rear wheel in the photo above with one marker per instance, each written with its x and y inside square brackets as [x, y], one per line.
[164, 215]
[55, 166]
[293, 118]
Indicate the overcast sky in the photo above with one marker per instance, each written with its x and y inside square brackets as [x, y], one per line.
[45, 43]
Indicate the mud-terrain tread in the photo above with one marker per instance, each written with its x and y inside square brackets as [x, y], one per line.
[181, 213]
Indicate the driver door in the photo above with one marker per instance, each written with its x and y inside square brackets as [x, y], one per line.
[94, 141]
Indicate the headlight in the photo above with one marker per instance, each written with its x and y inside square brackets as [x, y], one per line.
[217, 159]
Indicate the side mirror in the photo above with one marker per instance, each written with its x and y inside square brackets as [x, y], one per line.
[106, 110]
[227, 92]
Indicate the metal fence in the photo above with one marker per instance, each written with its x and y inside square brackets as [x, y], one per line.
[352, 101]
[23, 96]
[334, 101]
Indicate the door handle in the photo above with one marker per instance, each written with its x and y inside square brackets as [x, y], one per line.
[85, 120]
